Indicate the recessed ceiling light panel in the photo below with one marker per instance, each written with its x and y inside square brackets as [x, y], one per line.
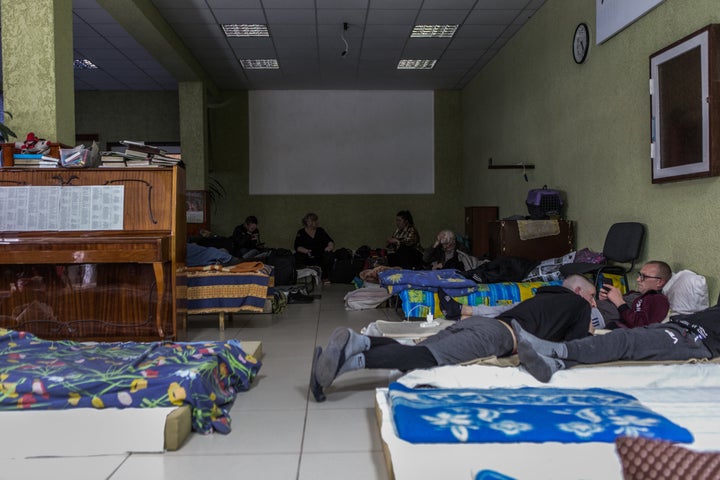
[259, 64]
[433, 31]
[407, 64]
[245, 30]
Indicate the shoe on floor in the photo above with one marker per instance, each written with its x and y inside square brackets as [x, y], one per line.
[315, 387]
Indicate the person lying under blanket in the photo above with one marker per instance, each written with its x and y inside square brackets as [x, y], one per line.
[683, 337]
[555, 312]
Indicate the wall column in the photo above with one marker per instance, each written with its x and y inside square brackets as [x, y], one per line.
[193, 133]
[37, 63]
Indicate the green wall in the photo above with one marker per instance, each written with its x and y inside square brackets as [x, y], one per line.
[115, 116]
[586, 128]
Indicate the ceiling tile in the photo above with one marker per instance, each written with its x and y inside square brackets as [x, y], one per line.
[291, 16]
[239, 15]
[438, 17]
[391, 17]
[288, 4]
[337, 17]
[492, 17]
[342, 4]
[229, 3]
[396, 4]
[448, 4]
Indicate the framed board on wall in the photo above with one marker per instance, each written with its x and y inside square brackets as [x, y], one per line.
[685, 141]
[614, 15]
[197, 214]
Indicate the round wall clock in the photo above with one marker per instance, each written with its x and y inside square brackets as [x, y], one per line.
[581, 43]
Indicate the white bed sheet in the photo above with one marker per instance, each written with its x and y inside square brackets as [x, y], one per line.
[686, 394]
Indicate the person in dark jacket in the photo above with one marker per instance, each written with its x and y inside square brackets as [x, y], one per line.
[246, 238]
[683, 337]
[314, 246]
[555, 312]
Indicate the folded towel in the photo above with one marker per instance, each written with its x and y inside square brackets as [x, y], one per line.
[530, 229]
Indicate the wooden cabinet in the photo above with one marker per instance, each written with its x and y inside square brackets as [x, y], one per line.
[477, 228]
[105, 285]
[507, 239]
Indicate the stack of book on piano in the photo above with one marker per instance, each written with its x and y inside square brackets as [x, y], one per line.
[140, 154]
[112, 159]
[36, 160]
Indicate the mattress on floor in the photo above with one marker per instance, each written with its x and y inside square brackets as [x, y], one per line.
[89, 431]
[685, 394]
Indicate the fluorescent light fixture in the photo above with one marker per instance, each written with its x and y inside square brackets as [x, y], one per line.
[83, 64]
[245, 30]
[259, 64]
[407, 64]
[433, 31]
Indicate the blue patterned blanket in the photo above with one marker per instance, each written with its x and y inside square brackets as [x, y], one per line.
[449, 280]
[41, 374]
[536, 415]
[418, 301]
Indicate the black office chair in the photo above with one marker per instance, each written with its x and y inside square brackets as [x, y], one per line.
[622, 246]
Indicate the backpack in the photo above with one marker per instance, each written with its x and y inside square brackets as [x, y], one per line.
[283, 263]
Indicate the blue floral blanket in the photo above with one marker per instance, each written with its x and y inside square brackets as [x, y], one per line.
[42, 374]
[535, 415]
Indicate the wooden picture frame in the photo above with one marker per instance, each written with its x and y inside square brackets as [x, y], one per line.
[684, 77]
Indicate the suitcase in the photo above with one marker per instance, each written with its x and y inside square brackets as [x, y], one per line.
[345, 270]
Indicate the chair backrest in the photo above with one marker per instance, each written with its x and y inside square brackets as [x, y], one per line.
[624, 242]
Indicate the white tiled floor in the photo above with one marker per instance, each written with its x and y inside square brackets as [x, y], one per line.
[278, 430]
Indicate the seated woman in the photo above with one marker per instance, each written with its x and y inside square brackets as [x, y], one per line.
[246, 238]
[314, 246]
[445, 254]
[404, 249]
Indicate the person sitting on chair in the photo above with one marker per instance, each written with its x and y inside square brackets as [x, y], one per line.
[555, 312]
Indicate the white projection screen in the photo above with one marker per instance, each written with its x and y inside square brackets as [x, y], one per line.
[334, 142]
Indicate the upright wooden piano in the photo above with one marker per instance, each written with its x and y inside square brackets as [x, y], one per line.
[102, 285]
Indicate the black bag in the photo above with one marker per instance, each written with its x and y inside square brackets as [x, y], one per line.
[283, 263]
[345, 270]
[503, 269]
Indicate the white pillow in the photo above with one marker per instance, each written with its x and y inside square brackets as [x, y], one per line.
[687, 292]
